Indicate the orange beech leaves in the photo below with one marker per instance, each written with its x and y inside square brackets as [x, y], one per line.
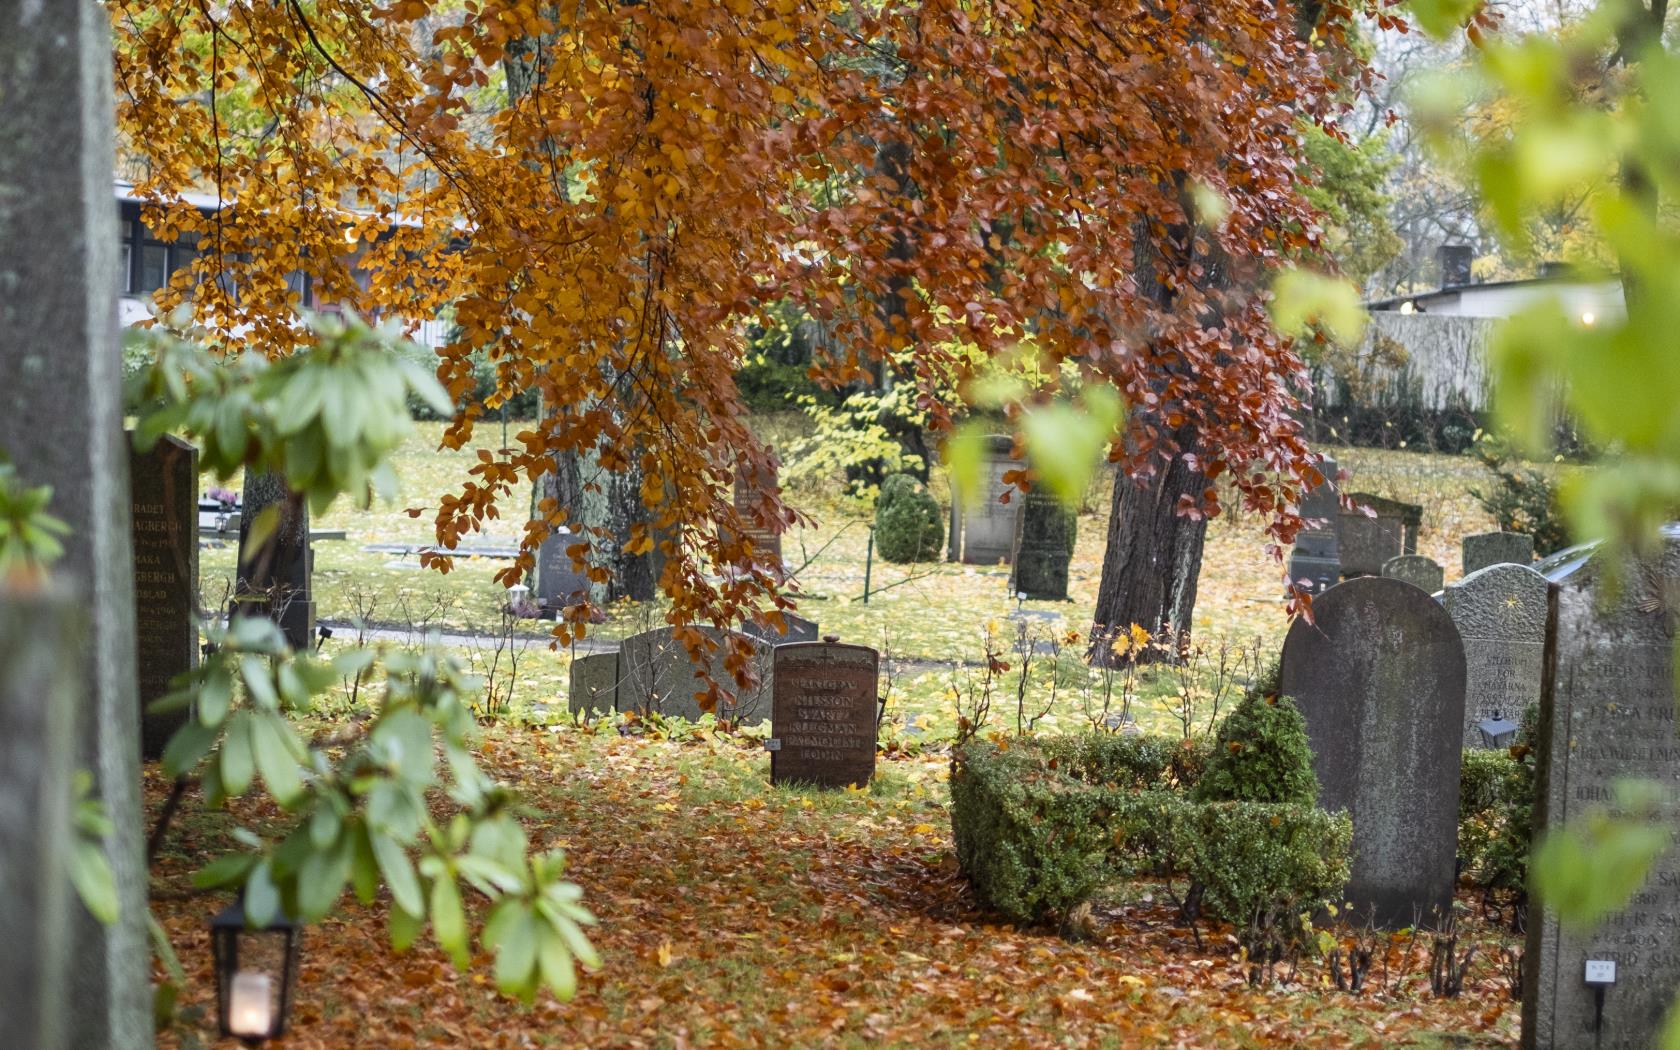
[936, 182]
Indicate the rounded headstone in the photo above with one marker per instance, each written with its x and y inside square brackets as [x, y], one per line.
[1501, 616]
[1379, 678]
[1423, 573]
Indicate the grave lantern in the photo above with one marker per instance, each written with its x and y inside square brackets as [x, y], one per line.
[1497, 732]
[255, 970]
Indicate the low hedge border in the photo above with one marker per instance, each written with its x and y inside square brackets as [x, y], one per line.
[1036, 837]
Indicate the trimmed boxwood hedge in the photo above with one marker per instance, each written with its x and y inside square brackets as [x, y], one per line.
[1036, 837]
[909, 526]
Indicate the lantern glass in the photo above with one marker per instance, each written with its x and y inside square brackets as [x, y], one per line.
[255, 971]
[1497, 732]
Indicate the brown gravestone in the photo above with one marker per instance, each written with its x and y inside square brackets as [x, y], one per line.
[1379, 678]
[823, 714]
[1607, 714]
[164, 487]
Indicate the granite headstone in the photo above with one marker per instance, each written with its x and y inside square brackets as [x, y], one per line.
[1315, 560]
[1367, 540]
[983, 525]
[40, 635]
[1423, 573]
[1607, 714]
[61, 425]
[164, 483]
[1379, 679]
[1501, 615]
[558, 584]
[749, 488]
[657, 674]
[275, 577]
[1044, 536]
[1497, 548]
[825, 709]
[594, 685]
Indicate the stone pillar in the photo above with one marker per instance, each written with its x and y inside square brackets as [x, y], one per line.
[39, 697]
[61, 423]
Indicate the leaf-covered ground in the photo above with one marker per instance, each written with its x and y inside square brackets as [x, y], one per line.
[735, 914]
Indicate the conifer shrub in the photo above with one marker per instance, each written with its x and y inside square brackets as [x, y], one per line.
[908, 524]
[1261, 753]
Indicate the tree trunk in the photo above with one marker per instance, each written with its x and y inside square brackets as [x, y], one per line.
[1153, 558]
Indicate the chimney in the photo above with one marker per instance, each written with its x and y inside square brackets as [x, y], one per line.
[1455, 264]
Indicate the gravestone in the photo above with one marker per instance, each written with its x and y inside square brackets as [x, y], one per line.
[1044, 535]
[1497, 548]
[749, 487]
[1423, 573]
[825, 707]
[982, 525]
[1316, 557]
[40, 633]
[594, 684]
[61, 425]
[275, 580]
[656, 674]
[558, 584]
[798, 629]
[1379, 678]
[1366, 541]
[1607, 713]
[163, 483]
[1500, 612]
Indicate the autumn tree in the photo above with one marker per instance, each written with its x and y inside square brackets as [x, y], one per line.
[606, 232]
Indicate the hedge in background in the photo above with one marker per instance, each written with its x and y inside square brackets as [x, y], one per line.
[908, 524]
[1036, 839]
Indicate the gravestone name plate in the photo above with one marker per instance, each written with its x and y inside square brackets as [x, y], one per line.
[1044, 535]
[1607, 713]
[825, 708]
[1497, 548]
[163, 483]
[1423, 573]
[1500, 612]
[1379, 679]
[656, 673]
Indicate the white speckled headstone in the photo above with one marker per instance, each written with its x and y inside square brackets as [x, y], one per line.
[1501, 615]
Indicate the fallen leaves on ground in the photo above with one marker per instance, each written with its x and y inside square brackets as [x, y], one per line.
[734, 914]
